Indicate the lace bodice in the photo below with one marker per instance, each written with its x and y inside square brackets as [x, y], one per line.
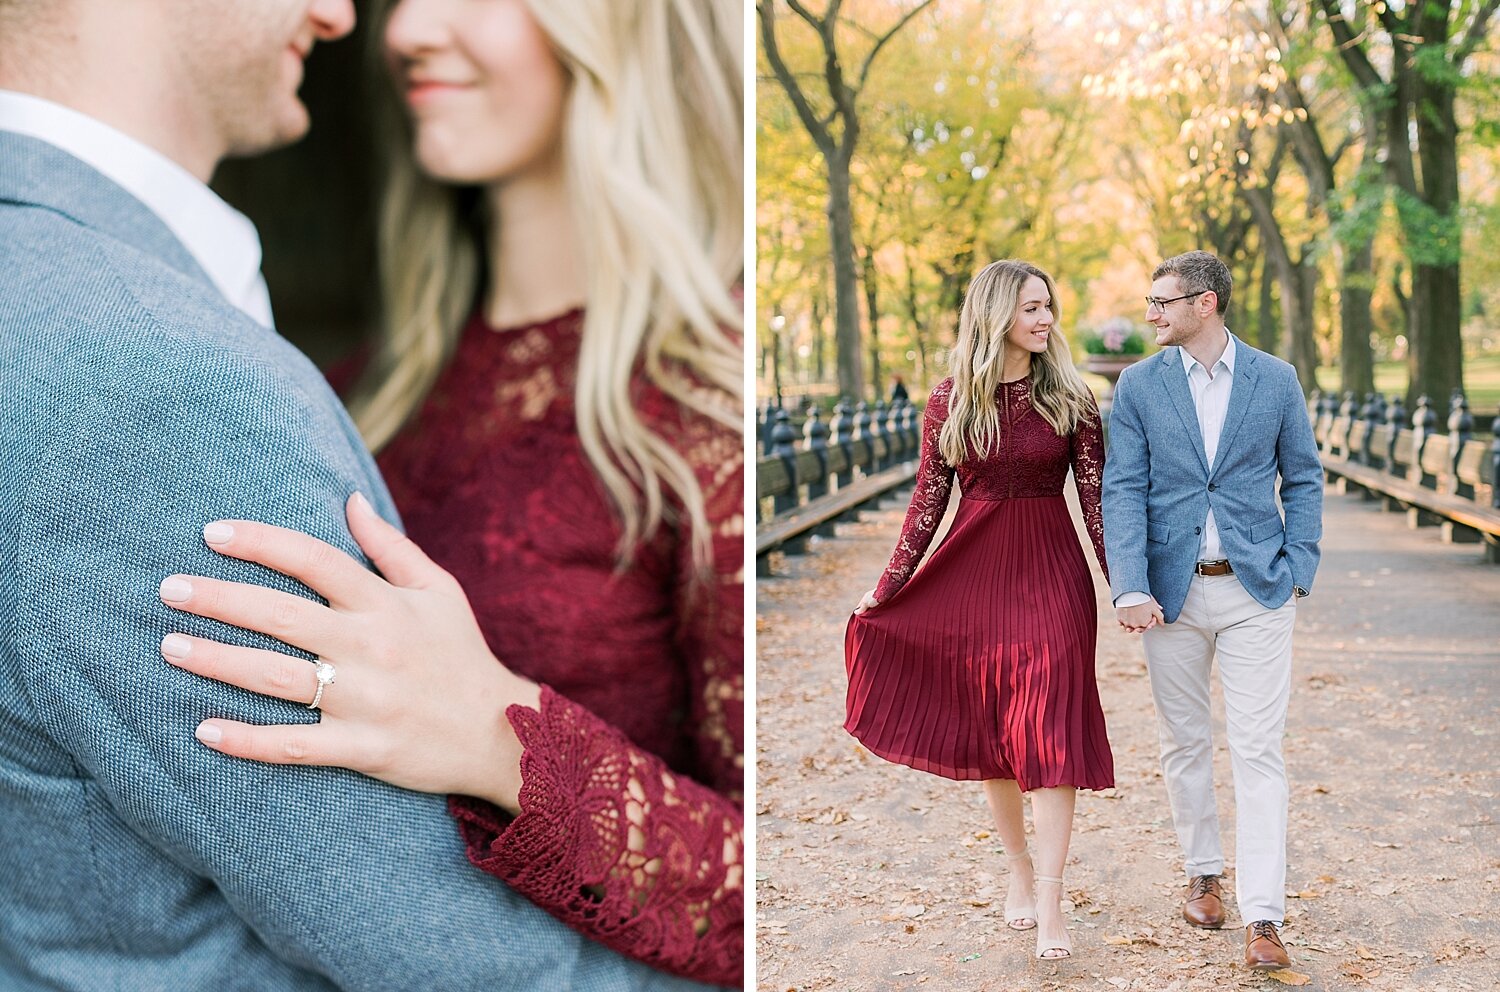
[1029, 460]
[631, 821]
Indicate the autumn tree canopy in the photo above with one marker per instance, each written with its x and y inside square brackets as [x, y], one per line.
[1342, 156]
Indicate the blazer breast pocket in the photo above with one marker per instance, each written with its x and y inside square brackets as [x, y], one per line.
[1257, 433]
[1157, 531]
[1266, 529]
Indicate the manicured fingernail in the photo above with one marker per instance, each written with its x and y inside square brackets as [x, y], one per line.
[175, 589]
[208, 734]
[218, 533]
[362, 505]
[176, 647]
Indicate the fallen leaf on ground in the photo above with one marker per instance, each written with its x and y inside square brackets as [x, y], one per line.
[1287, 976]
[1145, 940]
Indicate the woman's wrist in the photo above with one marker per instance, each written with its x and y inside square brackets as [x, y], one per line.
[495, 775]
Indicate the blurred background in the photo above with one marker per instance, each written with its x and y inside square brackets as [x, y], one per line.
[315, 206]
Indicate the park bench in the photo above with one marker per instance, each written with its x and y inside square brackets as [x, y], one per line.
[1445, 480]
[840, 467]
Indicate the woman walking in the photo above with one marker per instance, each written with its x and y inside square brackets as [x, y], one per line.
[981, 665]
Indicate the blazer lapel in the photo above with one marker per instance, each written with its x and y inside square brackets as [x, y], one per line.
[1174, 380]
[1240, 393]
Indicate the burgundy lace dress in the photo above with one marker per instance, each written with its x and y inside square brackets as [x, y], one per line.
[631, 820]
[981, 664]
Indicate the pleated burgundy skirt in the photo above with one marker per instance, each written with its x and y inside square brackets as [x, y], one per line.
[982, 665]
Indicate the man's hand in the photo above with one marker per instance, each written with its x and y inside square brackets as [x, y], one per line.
[1141, 618]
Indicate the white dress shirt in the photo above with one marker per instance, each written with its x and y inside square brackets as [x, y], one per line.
[1210, 389]
[222, 240]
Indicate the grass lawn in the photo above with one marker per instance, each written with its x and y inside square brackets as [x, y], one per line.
[1481, 381]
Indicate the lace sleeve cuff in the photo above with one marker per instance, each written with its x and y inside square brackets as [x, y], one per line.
[616, 845]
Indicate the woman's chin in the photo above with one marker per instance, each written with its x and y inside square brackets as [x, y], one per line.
[443, 169]
[450, 161]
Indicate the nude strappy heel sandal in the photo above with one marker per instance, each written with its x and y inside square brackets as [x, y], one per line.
[1053, 951]
[1023, 918]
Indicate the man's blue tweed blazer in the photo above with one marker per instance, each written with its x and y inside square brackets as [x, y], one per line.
[1158, 486]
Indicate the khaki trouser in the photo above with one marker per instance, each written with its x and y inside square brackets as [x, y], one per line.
[1254, 648]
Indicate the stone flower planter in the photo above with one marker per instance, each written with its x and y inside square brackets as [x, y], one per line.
[1110, 366]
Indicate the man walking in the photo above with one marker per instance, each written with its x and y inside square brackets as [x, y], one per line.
[1203, 564]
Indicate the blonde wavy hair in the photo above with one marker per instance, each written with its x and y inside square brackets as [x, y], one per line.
[990, 308]
[653, 145]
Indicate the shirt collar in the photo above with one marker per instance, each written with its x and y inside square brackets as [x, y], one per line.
[1227, 359]
[222, 240]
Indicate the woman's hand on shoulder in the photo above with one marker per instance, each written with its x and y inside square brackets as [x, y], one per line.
[418, 699]
[868, 602]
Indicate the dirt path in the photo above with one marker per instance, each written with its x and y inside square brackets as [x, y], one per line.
[871, 876]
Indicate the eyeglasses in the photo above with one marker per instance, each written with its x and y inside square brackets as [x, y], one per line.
[1152, 303]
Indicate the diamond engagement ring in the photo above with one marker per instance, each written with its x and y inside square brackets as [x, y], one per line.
[327, 675]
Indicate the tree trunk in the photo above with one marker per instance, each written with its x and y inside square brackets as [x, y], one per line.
[1438, 347]
[872, 317]
[1303, 346]
[918, 328]
[845, 282]
[819, 337]
[1356, 281]
[1265, 316]
[1298, 279]
[776, 365]
[1408, 322]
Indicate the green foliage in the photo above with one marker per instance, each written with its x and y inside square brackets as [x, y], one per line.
[1432, 238]
[1358, 208]
[1132, 343]
[1432, 64]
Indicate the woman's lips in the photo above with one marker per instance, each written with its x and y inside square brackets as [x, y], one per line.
[425, 91]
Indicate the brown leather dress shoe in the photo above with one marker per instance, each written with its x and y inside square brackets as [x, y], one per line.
[1205, 902]
[1263, 948]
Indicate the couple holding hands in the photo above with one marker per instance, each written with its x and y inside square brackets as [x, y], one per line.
[981, 664]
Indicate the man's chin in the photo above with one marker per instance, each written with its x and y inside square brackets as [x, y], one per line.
[290, 127]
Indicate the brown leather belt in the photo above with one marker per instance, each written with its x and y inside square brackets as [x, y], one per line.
[1220, 567]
